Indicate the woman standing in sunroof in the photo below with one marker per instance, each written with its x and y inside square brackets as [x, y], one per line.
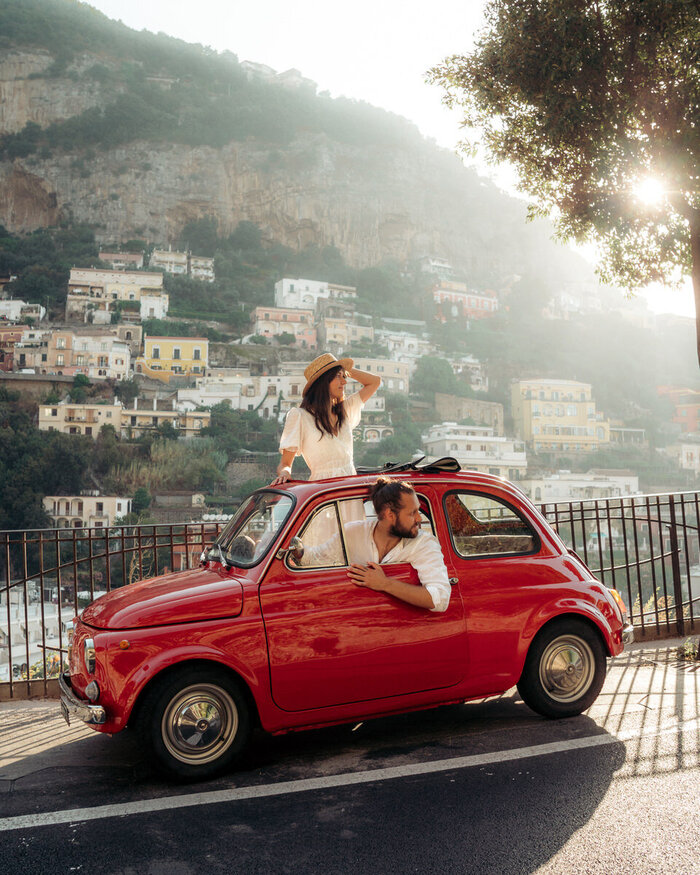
[320, 429]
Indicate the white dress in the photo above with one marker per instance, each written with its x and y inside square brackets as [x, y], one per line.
[328, 455]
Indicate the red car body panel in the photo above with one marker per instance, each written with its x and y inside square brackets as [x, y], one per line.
[314, 649]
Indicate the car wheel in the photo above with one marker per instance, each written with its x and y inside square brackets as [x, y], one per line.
[196, 722]
[564, 669]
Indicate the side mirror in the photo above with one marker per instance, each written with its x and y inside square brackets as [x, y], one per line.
[295, 551]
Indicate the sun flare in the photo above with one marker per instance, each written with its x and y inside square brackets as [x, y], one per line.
[650, 191]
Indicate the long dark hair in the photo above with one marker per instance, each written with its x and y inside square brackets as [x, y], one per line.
[319, 403]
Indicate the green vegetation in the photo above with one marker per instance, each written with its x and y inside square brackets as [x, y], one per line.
[589, 100]
[149, 78]
[42, 260]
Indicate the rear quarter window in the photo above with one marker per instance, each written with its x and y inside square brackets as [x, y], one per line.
[481, 525]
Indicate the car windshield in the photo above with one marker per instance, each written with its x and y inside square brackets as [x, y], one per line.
[248, 536]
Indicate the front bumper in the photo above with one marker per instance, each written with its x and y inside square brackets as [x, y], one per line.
[628, 634]
[72, 706]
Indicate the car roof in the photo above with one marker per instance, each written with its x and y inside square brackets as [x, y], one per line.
[305, 489]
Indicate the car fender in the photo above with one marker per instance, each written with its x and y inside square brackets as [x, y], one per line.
[599, 615]
[145, 672]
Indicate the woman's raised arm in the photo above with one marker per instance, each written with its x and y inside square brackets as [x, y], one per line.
[370, 382]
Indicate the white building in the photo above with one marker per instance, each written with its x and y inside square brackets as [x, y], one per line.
[686, 453]
[469, 368]
[169, 261]
[478, 448]
[305, 294]
[202, 268]
[16, 310]
[396, 375]
[122, 260]
[404, 346]
[69, 418]
[93, 295]
[570, 486]
[90, 510]
[269, 395]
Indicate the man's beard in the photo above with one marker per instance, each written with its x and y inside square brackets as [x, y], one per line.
[398, 532]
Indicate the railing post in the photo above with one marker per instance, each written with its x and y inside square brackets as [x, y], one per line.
[676, 568]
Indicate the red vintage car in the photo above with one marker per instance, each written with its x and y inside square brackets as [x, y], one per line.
[257, 636]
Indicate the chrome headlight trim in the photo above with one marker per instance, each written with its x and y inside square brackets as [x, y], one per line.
[89, 655]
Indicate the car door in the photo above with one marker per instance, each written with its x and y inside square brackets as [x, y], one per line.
[504, 572]
[331, 642]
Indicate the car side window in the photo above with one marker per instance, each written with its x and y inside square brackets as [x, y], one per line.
[481, 525]
[323, 545]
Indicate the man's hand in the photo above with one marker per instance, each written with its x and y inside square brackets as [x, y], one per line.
[370, 575]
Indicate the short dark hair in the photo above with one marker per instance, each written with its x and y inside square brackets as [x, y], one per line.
[388, 492]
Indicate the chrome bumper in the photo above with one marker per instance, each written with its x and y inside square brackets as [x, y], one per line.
[628, 635]
[72, 706]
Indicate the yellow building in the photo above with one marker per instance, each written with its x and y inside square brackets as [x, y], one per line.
[164, 356]
[558, 416]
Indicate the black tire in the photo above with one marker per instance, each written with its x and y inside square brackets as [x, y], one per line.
[564, 669]
[196, 722]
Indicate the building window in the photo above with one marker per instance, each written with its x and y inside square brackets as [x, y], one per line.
[197, 355]
[60, 343]
[99, 507]
[156, 352]
[59, 359]
[176, 353]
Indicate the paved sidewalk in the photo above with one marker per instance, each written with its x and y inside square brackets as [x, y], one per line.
[34, 736]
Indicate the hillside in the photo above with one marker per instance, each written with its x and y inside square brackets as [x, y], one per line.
[137, 135]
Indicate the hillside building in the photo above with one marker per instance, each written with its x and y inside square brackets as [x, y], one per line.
[455, 408]
[271, 322]
[98, 354]
[16, 310]
[164, 357]
[306, 294]
[455, 301]
[94, 295]
[337, 334]
[86, 510]
[558, 416]
[396, 375]
[477, 448]
[132, 421]
[122, 260]
[570, 486]
[169, 261]
[9, 336]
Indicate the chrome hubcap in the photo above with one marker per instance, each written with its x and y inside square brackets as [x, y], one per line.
[567, 668]
[200, 723]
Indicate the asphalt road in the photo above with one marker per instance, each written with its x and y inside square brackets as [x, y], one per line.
[486, 787]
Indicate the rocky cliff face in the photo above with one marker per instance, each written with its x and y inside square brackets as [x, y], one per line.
[372, 204]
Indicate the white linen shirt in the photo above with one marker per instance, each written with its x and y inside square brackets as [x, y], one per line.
[422, 552]
[326, 455]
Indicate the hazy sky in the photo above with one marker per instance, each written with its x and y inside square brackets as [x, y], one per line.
[373, 50]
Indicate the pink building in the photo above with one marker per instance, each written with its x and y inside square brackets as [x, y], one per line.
[9, 335]
[455, 301]
[271, 322]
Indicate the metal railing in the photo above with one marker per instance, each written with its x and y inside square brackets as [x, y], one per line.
[647, 547]
[48, 575]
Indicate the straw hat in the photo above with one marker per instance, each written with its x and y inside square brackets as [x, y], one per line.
[325, 362]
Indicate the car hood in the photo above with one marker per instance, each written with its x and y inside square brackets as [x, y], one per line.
[184, 597]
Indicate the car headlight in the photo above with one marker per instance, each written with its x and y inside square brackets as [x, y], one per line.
[89, 655]
[620, 604]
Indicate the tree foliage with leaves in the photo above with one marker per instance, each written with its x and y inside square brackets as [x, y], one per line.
[588, 100]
